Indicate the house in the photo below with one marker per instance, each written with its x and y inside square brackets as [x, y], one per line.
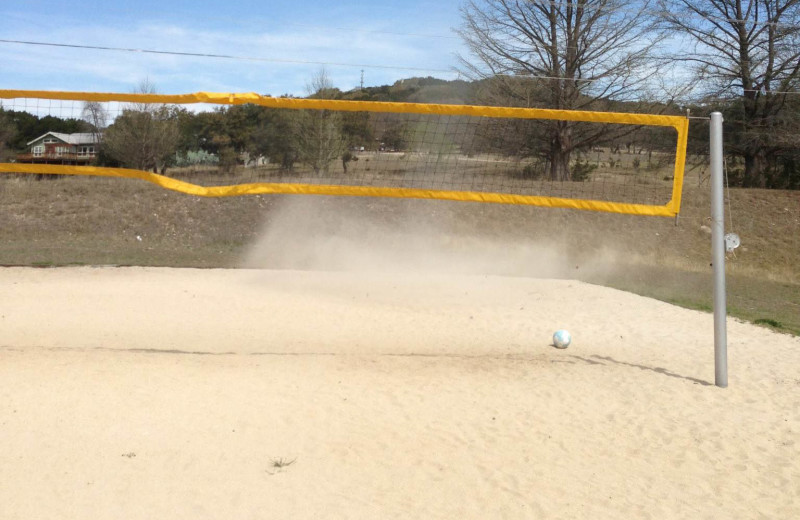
[58, 148]
[253, 161]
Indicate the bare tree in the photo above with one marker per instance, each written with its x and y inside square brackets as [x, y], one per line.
[145, 135]
[747, 51]
[562, 54]
[96, 115]
[318, 133]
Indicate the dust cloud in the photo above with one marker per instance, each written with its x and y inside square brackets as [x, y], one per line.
[409, 236]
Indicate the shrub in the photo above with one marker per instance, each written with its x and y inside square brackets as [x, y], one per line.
[194, 158]
[531, 171]
[581, 170]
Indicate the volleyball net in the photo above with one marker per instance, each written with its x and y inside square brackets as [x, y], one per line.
[220, 144]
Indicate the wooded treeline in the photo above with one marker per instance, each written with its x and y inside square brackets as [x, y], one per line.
[157, 137]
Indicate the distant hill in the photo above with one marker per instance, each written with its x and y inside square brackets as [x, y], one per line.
[418, 90]
[463, 92]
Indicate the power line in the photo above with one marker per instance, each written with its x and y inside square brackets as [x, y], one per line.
[718, 97]
[272, 60]
[309, 62]
[277, 60]
[767, 92]
[223, 56]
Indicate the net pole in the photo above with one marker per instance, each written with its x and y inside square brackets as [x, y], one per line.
[718, 253]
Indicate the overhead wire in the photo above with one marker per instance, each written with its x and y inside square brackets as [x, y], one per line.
[222, 56]
[600, 8]
[308, 62]
[271, 60]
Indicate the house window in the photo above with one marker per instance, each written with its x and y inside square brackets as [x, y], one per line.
[50, 140]
[38, 151]
[86, 150]
[61, 150]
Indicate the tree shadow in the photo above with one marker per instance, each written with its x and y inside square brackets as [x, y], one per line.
[658, 370]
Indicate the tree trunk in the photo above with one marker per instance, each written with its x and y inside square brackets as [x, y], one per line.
[559, 164]
[560, 151]
[755, 169]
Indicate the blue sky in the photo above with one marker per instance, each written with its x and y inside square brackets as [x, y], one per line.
[386, 39]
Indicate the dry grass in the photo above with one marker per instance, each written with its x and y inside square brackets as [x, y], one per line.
[70, 220]
[612, 179]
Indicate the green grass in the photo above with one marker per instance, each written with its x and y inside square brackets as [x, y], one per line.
[761, 301]
[769, 322]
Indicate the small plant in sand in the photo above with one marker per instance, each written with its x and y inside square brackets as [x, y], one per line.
[277, 465]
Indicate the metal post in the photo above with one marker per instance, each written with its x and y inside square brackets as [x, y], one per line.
[718, 254]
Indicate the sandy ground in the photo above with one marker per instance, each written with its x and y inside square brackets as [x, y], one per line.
[144, 393]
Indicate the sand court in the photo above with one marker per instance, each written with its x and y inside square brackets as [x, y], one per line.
[181, 393]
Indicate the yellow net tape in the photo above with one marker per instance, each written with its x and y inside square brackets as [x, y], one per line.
[670, 209]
